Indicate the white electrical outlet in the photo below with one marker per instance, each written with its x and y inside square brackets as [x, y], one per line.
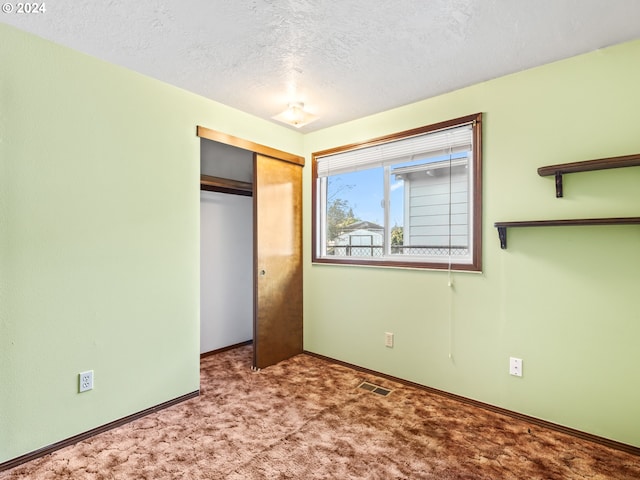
[85, 381]
[388, 339]
[515, 366]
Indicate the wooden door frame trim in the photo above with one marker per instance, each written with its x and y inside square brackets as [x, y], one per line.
[209, 134]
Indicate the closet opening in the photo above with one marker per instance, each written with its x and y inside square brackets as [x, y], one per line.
[226, 246]
[251, 247]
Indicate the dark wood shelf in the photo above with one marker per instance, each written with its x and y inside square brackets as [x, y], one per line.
[225, 185]
[502, 226]
[587, 166]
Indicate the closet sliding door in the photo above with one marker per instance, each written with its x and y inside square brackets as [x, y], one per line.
[277, 197]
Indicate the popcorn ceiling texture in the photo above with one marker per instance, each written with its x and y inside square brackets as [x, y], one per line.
[305, 418]
[344, 59]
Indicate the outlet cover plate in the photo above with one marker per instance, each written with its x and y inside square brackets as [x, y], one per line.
[85, 380]
[515, 366]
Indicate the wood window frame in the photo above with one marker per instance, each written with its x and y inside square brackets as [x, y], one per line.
[475, 228]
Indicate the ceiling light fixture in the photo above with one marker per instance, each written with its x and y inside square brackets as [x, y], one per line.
[296, 115]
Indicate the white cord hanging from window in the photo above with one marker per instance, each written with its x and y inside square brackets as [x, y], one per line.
[449, 274]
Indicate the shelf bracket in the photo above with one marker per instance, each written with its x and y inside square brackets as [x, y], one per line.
[502, 234]
[558, 184]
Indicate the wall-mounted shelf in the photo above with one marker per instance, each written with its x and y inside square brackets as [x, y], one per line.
[586, 166]
[502, 226]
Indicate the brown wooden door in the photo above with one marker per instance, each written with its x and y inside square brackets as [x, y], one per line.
[277, 198]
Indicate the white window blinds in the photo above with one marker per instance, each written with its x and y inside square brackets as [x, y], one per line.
[433, 144]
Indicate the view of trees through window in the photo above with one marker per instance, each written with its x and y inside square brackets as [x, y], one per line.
[429, 196]
[388, 203]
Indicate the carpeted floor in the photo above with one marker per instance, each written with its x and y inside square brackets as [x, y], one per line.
[305, 419]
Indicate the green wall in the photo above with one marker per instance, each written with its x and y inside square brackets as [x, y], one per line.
[99, 250]
[565, 300]
[99, 238]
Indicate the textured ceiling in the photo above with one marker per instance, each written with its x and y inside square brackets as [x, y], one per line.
[344, 58]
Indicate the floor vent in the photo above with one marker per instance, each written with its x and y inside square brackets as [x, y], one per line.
[370, 387]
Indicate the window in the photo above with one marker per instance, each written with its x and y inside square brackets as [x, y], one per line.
[411, 199]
